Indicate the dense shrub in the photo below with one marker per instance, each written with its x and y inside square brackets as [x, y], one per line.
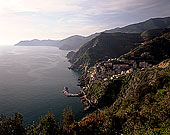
[141, 106]
[12, 125]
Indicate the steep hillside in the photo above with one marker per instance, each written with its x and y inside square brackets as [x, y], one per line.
[95, 80]
[137, 103]
[154, 23]
[74, 42]
[150, 34]
[158, 48]
[103, 47]
[142, 106]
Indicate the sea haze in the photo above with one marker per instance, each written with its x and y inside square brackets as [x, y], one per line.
[31, 79]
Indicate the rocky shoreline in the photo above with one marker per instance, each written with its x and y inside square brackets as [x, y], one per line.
[143, 56]
[83, 98]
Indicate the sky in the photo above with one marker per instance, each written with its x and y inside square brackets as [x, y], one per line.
[58, 19]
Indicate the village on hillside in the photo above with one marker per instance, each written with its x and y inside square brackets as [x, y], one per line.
[115, 67]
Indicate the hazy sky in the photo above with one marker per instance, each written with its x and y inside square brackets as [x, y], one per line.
[57, 19]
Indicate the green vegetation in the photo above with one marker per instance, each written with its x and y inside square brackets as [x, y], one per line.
[150, 34]
[104, 46]
[143, 105]
[158, 47]
[105, 92]
[153, 23]
[90, 124]
[12, 125]
[108, 45]
[137, 103]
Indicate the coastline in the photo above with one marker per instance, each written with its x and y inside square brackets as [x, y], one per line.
[83, 98]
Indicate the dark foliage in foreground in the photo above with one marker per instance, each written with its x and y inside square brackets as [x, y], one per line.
[142, 107]
[12, 125]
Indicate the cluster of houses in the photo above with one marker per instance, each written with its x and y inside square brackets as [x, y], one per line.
[109, 70]
[116, 67]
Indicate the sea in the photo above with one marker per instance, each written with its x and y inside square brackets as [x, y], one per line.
[31, 82]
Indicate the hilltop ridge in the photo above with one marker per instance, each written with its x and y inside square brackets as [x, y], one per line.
[153, 23]
[104, 46]
[76, 41]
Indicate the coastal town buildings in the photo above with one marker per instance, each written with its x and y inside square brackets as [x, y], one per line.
[116, 67]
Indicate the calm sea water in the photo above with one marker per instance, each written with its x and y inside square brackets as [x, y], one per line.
[31, 79]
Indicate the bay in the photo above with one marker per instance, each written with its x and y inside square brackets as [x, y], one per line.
[31, 79]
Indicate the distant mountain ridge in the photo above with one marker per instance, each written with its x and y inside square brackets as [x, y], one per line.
[70, 43]
[36, 42]
[153, 23]
[76, 41]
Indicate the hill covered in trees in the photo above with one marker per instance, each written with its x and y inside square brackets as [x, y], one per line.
[74, 42]
[153, 23]
[130, 94]
[150, 34]
[133, 103]
[109, 45]
[158, 47]
[141, 106]
[104, 46]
